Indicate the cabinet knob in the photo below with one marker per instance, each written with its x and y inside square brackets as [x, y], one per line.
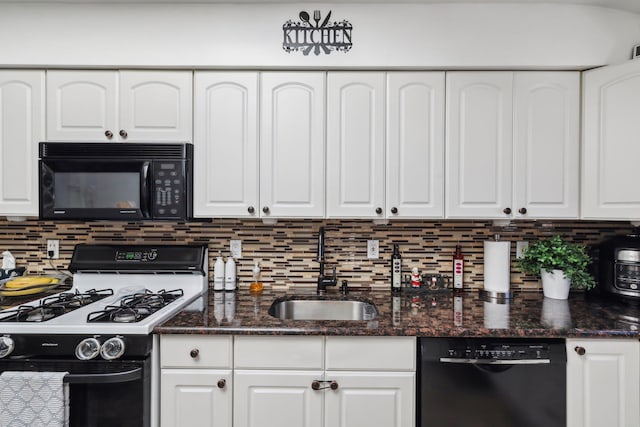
[378, 211]
[194, 353]
[123, 133]
[221, 383]
[251, 209]
[108, 134]
[315, 385]
[265, 209]
[522, 211]
[394, 210]
[507, 211]
[580, 350]
[333, 385]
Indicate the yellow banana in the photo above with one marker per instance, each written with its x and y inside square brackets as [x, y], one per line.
[28, 291]
[26, 281]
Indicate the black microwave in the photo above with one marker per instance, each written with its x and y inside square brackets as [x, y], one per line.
[116, 181]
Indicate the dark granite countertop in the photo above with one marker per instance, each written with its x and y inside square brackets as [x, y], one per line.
[528, 314]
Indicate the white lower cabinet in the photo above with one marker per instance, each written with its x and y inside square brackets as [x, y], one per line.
[603, 383]
[271, 398]
[196, 383]
[322, 382]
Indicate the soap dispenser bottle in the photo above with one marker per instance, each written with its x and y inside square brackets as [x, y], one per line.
[256, 286]
[218, 273]
[230, 275]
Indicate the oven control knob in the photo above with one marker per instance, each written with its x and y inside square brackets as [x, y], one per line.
[112, 348]
[88, 349]
[6, 346]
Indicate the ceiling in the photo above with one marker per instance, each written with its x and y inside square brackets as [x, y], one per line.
[626, 5]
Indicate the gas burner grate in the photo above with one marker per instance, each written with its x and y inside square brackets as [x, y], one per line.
[54, 306]
[135, 307]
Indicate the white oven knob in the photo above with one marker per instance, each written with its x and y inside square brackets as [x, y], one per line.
[112, 348]
[88, 349]
[6, 346]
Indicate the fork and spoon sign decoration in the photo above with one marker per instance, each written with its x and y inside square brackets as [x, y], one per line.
[315, 33]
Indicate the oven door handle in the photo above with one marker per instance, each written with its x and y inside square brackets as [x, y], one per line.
[495, 362]
[114, 377]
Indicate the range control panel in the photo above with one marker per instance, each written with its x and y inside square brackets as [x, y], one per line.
[501, 352]
[137, 255]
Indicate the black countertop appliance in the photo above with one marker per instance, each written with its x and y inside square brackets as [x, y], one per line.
[618, 266]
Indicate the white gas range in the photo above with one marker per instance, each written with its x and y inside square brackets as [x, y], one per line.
[100, 331]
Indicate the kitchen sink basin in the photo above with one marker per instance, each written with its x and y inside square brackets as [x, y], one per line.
[322, 308]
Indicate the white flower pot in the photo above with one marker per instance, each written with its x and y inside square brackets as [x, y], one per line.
[555, 285]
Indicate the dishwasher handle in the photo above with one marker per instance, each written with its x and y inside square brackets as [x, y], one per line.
[494, 361]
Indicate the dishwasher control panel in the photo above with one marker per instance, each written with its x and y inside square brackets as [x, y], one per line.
[500, 351]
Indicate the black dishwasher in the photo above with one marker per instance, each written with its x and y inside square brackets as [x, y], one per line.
[491, 382]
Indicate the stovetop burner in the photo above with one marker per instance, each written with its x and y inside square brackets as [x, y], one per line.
[135, 307]
[54, 306]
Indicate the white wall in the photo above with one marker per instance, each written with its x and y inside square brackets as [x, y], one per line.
[454, 36]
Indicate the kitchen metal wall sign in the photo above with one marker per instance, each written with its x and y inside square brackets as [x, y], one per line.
[316, 34]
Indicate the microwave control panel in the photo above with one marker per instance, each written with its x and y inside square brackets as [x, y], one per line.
[168, 190]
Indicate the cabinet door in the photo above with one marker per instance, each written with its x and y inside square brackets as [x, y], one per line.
[610, 142]
[479, 144]
[372, 399]
[81, 105]
[292, 145]
[546, 144]
[194, 398]
[21, 128]
[415, 145]
[355, 144]
[602, 384]
[155, 106]
[226, 144]
[276, 399]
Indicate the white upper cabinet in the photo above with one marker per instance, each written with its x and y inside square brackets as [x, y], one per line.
[415, 145]
[546, 165]
[226, 144]
[512, 145]
[119, 105]
[355, 144]
[21, 128]
[292, 144]
[610, 142]
[156, 106]
[479, 144]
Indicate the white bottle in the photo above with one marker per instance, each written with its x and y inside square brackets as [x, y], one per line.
[218, 274]
[230, 275]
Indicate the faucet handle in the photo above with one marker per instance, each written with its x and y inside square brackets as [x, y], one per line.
[333, 275]
[345, 287]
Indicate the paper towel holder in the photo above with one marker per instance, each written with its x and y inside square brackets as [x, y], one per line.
[494, 296]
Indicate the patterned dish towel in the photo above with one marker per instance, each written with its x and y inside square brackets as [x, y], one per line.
[34, 399]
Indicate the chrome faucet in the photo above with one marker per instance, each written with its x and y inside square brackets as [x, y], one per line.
[324, 281]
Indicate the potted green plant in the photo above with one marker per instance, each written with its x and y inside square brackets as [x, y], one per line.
[560, 264]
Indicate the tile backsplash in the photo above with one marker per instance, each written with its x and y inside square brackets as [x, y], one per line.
[287, 250]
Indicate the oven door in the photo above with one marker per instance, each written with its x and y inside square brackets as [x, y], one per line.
[101, 393]
[95, 189]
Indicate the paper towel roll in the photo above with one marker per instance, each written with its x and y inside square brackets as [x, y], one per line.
[497, 266]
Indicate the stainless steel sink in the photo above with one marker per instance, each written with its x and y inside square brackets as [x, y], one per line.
[306, 308]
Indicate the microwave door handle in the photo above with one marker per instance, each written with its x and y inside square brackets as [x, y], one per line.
[115, 377]
[145, 185]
